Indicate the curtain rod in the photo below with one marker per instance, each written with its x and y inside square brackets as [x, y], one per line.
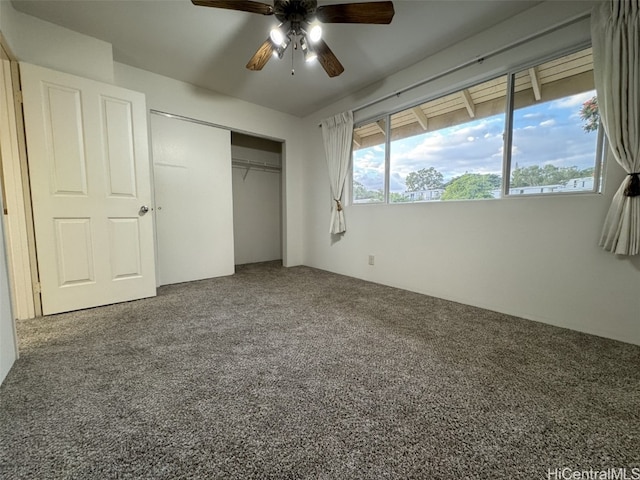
[479, 59]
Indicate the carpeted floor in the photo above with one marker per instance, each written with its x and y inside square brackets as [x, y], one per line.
[302, 374]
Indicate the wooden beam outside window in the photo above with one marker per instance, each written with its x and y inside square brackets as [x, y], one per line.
[535, 83]
[421, 117]
[468, 103]
[357, 140]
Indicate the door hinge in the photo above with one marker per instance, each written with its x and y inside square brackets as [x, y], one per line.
[18, 96]
[37, 288]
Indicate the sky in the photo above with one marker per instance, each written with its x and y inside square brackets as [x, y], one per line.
[545, 133]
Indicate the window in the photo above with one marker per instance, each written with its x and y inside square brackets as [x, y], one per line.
[369, 154]
[555, 127]
[449, 148]
[453, 147]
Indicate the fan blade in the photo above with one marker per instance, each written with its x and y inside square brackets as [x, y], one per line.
[327, 59]
[262, 56]
[368, 12]
[242, 5]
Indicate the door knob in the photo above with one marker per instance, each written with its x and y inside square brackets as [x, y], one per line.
[143, 209]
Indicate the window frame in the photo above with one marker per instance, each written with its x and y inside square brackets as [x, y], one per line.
[510, 73]
[387, 159]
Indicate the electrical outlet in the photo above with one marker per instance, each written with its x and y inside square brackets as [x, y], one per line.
[372, 260]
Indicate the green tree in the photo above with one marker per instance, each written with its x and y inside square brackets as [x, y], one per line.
[395, 197]
[587, 172]
[494, 180]
[360, 192]
[375, 195]
[590, 114]
[535, 175]
[424, 179]
[470, 186]
[526, 176]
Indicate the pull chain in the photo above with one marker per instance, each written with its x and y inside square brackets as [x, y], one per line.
[295, 47]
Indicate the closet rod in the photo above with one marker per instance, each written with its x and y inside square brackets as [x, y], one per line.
[253, 164]
[478, 59]
[260, 169]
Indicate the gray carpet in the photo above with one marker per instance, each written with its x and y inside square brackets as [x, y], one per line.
[298, 373]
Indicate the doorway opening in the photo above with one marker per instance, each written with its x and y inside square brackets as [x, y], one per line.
[257, 198]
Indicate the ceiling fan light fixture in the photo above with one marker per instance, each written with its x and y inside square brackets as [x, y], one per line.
[278, 35]
[315, 32]
[280, 49]
[278, 52]
[310, 56]
[309, 53]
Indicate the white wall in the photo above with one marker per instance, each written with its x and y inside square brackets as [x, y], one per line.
[42, 43]
[257, 205]
[172, 96]
[537, 258]
[256, 216]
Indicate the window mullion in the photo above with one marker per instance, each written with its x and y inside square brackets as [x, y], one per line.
[508, 136]
[387, 157]
[601, 147]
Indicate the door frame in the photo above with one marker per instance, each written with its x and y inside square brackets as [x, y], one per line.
[249, 164]
[18, 215]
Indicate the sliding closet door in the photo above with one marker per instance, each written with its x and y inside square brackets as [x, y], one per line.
[89, 170]
[194, 209]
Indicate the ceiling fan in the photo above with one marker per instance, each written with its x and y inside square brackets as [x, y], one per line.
[300, 24]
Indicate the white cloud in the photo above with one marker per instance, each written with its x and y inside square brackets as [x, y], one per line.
[548, 123]
[573, 101]
[452, 151]
[564, 144]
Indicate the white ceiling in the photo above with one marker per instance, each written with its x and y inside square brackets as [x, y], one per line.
[210, 47]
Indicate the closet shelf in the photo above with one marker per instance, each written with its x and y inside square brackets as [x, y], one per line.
[250, 164]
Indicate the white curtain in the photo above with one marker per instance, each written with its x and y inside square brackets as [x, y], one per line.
[615, 32]
[338, 135]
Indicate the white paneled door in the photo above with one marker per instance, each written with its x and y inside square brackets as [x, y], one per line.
[89, 171]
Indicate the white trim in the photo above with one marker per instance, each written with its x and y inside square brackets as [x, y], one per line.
[18, 256]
